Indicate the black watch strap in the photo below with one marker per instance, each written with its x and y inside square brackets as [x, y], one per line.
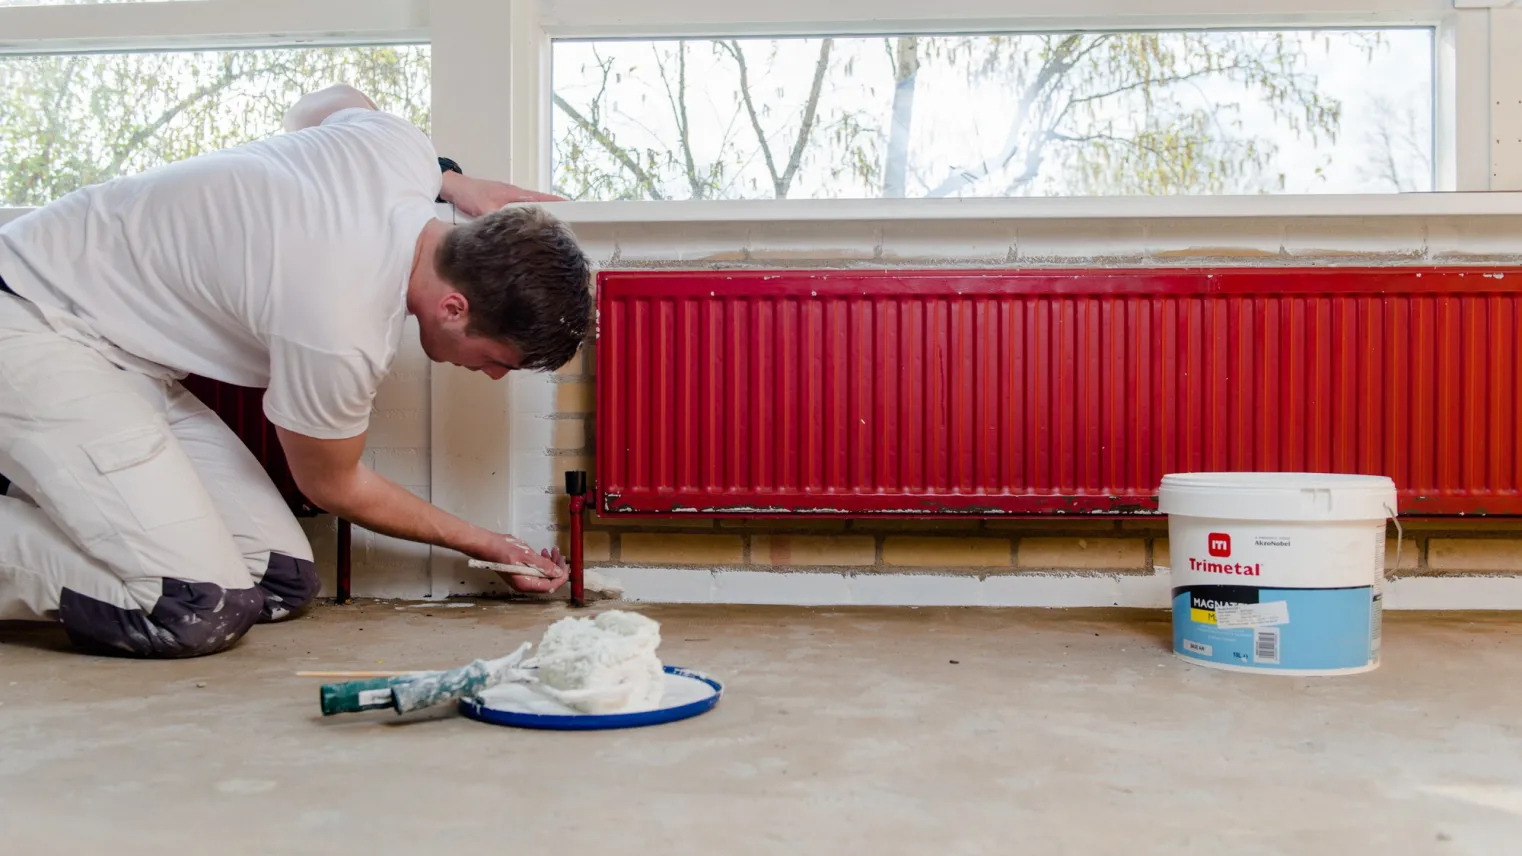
[448, 165]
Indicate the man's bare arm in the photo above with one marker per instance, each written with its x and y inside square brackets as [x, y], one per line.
[331, 474]
[477, 196]
[314, 107]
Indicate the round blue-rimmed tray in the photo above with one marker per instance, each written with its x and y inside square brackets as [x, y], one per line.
[691, 693]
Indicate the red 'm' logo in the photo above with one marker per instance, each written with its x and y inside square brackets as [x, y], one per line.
[1220, 545]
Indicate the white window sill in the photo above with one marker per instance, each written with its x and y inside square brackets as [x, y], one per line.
[1500, 204]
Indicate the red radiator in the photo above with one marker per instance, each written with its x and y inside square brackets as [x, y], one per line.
[1050, 391]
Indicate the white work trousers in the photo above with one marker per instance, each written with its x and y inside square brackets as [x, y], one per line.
[135, 518]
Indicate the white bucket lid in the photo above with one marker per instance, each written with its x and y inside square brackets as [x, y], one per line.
[1277, 496]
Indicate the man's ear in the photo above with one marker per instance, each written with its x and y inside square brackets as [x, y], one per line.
[454, 307]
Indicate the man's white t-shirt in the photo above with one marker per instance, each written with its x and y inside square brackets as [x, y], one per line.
[280, 264]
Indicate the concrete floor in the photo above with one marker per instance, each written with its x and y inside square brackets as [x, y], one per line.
[842, 731]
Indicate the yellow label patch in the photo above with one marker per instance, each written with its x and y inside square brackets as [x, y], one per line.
[1202, 616]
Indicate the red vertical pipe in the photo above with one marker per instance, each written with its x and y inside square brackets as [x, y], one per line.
[578, 570]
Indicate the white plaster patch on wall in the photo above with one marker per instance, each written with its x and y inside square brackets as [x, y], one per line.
[915, 590]
[401, 465]
[451, 575]
[407, 429]
[781, 243]
[1180, 241]
[992, 242]
[666, 585]
[1061, 241]
[1149, 591]
[387, 567]
[1400, 237]
[1089, 240]
[763, 587]
[1474, 238]
[1454, 592]
[532, 394]
[640, 242]
[1144, 591]
[533, 467]
[597, 240]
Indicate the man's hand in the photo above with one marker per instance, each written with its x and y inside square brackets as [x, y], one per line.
[515, 552]
[477, 196]
[330, 474]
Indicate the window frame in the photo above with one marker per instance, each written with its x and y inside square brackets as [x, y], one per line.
[1461, 72]
[470, 62]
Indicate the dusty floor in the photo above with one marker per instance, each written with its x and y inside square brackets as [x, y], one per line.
[841, 731]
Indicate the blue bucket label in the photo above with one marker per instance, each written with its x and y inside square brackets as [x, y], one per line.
[1277, 629]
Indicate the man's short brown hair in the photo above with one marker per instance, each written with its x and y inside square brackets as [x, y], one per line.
[527, 280]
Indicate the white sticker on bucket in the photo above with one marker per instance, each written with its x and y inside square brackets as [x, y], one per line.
[1252, 614]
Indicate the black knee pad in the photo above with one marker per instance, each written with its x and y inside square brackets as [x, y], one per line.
[189, 620]
[289, 586]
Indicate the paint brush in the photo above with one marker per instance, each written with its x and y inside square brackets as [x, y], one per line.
[417, 691]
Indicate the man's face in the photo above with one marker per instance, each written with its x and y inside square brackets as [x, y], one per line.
[445, 340]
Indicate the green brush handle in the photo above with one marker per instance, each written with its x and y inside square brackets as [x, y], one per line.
[355, 696]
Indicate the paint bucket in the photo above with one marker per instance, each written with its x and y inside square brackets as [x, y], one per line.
[1278, 573]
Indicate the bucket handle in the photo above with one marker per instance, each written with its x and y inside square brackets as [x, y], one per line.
[1400, 539]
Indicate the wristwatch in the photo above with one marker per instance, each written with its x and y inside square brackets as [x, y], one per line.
[448, 165]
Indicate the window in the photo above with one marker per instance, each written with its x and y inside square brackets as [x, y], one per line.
[67, 121]
[1079, 113]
